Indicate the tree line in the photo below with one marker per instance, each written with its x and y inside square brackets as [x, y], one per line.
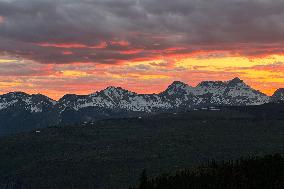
[247, 173]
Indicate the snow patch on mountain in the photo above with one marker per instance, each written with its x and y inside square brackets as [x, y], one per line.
[5, 104]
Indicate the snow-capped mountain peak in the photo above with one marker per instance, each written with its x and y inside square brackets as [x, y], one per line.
[115, 91]
[20, 100]
[177, 87]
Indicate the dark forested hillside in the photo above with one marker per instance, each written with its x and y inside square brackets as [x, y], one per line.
[112, 153]
[249, 173]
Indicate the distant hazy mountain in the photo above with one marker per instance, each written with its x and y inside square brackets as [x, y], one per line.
[20, 111]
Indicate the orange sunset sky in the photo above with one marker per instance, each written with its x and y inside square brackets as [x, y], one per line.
[56, 47]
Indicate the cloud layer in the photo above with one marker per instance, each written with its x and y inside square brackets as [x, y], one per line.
[111, 31]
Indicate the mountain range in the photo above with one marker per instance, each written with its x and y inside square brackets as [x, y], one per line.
[20, 111]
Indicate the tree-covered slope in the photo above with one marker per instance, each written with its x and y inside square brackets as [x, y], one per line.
[249, 173]
[112, 153]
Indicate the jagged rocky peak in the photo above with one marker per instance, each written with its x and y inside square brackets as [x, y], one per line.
[176, 86]
[178, 83]
[235, 81]
[111, 95]
[114, 91]
[278, 94]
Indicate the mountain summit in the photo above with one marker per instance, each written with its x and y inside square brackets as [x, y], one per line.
[176, 87]
[236, 80]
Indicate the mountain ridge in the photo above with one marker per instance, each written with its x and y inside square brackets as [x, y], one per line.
[116, 94]
[202, 83]
[19, 109]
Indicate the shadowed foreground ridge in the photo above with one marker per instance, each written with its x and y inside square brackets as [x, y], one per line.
[251, 173]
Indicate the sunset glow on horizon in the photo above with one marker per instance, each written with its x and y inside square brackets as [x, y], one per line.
[80, 47]
[54, 80]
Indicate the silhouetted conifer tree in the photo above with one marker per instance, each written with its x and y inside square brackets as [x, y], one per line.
[143, 180]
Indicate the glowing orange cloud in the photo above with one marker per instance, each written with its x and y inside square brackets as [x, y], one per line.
[142, 75]
[121, 43]
[67, 52]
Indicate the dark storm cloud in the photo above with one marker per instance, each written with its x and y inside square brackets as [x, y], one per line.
[134, 29]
